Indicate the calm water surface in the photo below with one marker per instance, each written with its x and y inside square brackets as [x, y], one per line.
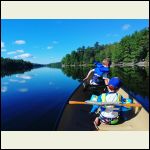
[34, 100]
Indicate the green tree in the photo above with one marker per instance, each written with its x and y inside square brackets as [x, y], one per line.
[131, 48]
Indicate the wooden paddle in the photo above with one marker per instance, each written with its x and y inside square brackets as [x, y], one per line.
[106, 103]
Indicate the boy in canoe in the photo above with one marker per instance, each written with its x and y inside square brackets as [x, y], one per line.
[109, 114]
[101, 71]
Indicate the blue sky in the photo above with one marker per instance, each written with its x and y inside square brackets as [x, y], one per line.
[48, 40]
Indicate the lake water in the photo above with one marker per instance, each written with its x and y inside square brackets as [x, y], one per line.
[34, 100]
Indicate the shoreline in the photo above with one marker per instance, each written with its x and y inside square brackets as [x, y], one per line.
[140, 64]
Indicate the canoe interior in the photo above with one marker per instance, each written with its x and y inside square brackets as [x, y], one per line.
[78, 118]
[138, 119]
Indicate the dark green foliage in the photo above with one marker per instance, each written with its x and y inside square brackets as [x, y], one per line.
[135, 79]
[54, 65]
[78, 73]
[131, 48]
[11, 66]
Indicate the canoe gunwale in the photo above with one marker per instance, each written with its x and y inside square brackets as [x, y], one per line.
[71, 121]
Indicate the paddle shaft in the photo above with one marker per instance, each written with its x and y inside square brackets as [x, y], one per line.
[102, 104]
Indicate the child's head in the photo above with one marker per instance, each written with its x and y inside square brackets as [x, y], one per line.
[106, 62]
[114, 84]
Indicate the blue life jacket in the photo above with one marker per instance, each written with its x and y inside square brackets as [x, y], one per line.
[100, 69]
[98, 72]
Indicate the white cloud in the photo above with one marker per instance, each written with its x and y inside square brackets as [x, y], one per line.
[2, 44]
[4, 89]
[12, 52]
[126, 26]
[22, 56]
[22, 81]
[27, 77]
[20, 51]
[13, 80]
[15, 52]
[2, 47]
[3, 50]
[19, 42]
[49, 47]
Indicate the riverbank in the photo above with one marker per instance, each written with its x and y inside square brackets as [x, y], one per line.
[144, 64]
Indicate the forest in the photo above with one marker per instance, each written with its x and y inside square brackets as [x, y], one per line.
[54, 65]
[13, 66]
[132, 48]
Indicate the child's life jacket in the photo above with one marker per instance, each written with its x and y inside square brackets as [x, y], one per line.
[99, 71]
[108, 111]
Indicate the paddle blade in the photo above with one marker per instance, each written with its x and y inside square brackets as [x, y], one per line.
[132, 105]
[76, 102]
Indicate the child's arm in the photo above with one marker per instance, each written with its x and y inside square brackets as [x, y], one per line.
[106, 80]
[95, 107]
[88, 74]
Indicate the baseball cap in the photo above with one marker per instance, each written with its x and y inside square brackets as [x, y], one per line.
[115, 82]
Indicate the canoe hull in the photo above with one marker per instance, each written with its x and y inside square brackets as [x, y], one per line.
[78, 118]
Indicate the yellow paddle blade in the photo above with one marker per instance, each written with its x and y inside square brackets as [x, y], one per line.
[77, 102]
[132, 105]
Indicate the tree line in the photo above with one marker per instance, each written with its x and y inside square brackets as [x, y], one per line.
[13, 64]
[55, 65]
[130, 49]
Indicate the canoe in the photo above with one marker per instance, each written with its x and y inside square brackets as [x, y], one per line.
[78, 118]
[138, 119]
